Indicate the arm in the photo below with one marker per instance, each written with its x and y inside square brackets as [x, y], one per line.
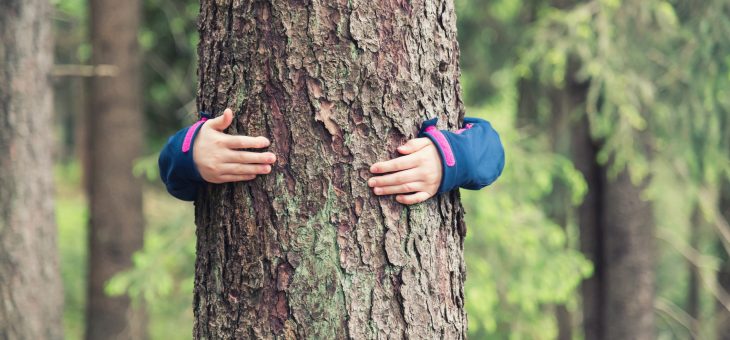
[177, 168]
[472, 157]
[441, 161]
[204, 153]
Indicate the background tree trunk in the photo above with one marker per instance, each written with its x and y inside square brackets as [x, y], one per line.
[722, 316]
[617, 235]
[31, 299]
[591, 232]
[629, 261]
[115, 141]
[693, 302]
[308, 251]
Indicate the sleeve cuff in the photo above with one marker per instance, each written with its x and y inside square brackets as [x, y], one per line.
[448, 160]
[471, 157]
[177, 167]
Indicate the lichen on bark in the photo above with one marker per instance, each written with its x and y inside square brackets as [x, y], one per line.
[309, 251]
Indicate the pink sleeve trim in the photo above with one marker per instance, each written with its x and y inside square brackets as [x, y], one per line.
[467, 127]
[443, 144]
[189, 135]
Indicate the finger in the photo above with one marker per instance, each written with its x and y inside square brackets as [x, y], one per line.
[414, 145]
[413, 198]
[399, 189]
[244, 169]
[247, 157]
[235, 178]
[221, 122]
[396, 164]
[245, 142]
[410, 175]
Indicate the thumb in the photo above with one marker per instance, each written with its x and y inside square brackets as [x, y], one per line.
[223, 121]
[414, 145]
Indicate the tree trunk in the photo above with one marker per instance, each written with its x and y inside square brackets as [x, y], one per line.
[617, 235]
[308, 251]
[722, 316]
[31, 297]
[628, 256]
[115, 141]
[591, 231]
[693, 286]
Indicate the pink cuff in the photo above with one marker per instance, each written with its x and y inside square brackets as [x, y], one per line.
[467, 127]
[443, 144]
[191, 132]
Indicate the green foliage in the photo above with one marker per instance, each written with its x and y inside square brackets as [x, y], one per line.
[147, 167]
[658, 76]
[169, 39]
[162, 277]
[519, 261]
[72, 219]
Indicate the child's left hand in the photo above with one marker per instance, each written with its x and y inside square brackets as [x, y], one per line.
[417, 174]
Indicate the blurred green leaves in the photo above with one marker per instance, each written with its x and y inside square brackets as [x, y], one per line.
[519, 261]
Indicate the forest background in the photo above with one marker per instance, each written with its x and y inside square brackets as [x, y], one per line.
[656, 76]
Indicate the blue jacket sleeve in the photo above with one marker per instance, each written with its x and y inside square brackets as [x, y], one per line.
[177, 168]
[471, 158]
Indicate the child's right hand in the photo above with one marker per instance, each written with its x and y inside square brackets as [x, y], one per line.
[218, 158]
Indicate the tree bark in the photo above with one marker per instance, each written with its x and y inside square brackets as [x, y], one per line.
[308, 251]
[31, 297]
[115, 141]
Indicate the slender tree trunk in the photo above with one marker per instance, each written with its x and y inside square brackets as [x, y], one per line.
[564, 104]
[308, 251]
[31, 297]
[722, 323]
[115, 141]
[693, 286]
[617, 235]
[629, 261]
[591, 232]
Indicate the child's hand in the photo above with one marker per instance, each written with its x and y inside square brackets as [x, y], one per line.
[217, 158]
[418, 173]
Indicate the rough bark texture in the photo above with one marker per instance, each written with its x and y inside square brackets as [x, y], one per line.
[308, 251]
[31, 298]
[115, 141]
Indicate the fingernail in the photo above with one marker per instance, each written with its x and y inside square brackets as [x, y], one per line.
[373, 168]
[378, 191]
[371, 182]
